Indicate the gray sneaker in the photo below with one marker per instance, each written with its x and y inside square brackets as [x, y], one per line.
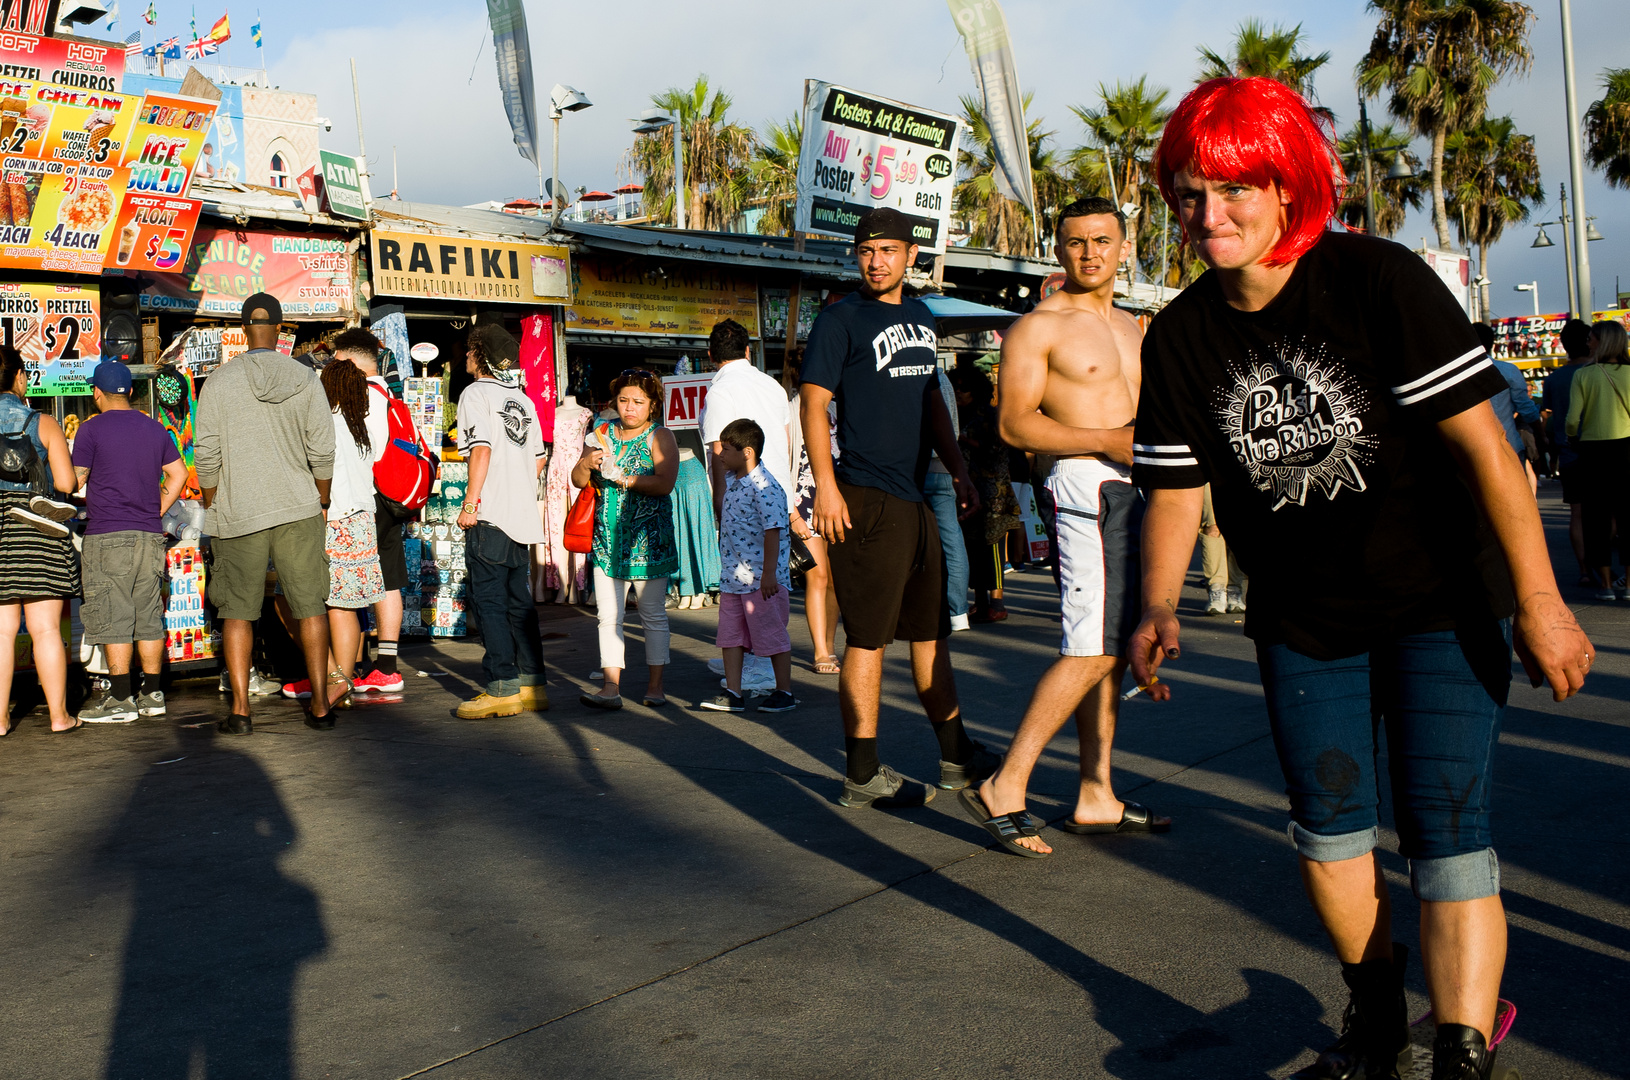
[52, 509]
[976, 771]
[888, 790]
[151, 704]
[108, 709]
[259, 685]
[48, 526]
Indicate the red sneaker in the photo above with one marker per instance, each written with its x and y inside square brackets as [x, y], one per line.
[301, 689]
[378, 682]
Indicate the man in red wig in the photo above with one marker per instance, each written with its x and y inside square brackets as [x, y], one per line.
[1334, 395]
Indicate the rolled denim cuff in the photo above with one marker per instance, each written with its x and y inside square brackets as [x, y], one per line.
[532, 680]
[504, 687]
[1336, 848]
[1472, 876]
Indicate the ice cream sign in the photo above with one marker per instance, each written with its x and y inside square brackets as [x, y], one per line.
[166, 143]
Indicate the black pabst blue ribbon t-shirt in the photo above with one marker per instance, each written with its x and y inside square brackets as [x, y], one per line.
[1314, 422]
[879, 361]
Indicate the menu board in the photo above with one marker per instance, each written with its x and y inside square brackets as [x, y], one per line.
[186, 620]
[152, 233]
[61, 174]
[58, 329]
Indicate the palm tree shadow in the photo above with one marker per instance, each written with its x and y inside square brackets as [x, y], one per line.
[218, 933]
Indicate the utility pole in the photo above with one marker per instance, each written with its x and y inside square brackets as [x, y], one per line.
[679, 170]
[1576, 168]
[1369, 178]
[362, 150]
[1567, 258]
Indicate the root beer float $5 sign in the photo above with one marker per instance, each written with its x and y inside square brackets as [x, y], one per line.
[862, 151]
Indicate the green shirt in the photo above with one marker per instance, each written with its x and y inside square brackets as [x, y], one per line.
[1599, 403]
[633, 532]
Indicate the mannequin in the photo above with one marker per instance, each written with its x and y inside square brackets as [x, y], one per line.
[695, 532]
[564, 571]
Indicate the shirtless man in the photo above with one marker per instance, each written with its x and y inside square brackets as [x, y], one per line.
[1069, 388]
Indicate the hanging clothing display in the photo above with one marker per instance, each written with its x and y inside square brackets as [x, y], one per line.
[538, 364]
[694, 528]
[389, 325]
[564, 571]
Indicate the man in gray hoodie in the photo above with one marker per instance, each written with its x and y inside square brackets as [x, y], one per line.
[264, 451]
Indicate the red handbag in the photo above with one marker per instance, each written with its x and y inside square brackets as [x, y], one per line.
[578, 536]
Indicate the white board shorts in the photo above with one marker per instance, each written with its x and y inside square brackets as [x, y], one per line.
[1099, 514]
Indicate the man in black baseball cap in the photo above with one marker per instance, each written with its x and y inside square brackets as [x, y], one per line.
[263, 310]
[874, 353]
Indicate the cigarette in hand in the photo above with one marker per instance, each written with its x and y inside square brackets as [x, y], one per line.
[1136, 690]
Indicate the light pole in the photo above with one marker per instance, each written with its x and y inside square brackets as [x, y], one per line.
[562, 99]
[650, 124]
[1530, 287]
[1400, 170]
[1576, 166]
[1576, 298]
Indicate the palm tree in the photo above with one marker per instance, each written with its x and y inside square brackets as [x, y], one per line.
[716, 152]
[994, 220]
[1393, 198]
[771, 177]
[1125, 132]
[1492, 177]
[1439, 59]
[1607, 128]
[1274, 53]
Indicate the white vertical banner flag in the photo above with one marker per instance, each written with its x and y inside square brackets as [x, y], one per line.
[984, 31]
[514, 55]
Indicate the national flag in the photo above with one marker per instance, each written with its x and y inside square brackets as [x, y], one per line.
[171, 49]
[221, 32]
[150, 16]
[113, 14]
[200, 48]
[133, 44]
[254, 33]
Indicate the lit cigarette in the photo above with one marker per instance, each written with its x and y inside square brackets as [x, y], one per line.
[1136, 690]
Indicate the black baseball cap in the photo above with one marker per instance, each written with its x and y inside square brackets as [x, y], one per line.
[267, 302]
[883, 223]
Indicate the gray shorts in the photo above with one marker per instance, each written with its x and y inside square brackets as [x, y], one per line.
[123, 575]
[237, 579]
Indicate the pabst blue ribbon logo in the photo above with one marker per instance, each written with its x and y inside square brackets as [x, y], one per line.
[1296, 425]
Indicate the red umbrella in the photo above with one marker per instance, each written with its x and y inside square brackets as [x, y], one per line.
[630, 189]
[595, 196]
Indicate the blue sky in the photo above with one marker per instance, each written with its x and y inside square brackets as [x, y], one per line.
[426, 92]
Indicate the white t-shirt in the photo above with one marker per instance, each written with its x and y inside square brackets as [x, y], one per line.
[352, 489]
[493, 415]
[752, 504]
[741, 390]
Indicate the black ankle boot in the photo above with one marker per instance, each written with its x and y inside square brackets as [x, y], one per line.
[1374, 1043]
[1459, 1053]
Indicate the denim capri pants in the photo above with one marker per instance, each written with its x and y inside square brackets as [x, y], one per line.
[1440, 697]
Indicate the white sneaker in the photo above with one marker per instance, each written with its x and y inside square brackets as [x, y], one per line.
[51, 508]
[259, 685]
[1236, 602]
[1216, 600]
[44, 524]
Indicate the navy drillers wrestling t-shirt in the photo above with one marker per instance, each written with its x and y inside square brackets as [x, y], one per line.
[879, 362]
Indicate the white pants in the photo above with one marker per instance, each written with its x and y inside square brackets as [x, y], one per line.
[610, 596]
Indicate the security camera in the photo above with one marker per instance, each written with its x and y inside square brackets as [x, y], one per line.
[328, 125]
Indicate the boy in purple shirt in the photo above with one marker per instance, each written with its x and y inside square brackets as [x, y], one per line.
[132, 473]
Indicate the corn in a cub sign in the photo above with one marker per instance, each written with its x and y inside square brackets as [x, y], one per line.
[862, 151]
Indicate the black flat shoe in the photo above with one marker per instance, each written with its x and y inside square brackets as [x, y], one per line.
[324, 722]
[236, 725]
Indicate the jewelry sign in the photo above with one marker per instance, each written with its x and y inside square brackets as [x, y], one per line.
[861, 152]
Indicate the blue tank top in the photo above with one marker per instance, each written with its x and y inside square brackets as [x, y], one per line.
[15, 417]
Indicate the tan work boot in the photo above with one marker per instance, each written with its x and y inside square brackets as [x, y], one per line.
[484, 707]
[534, 698]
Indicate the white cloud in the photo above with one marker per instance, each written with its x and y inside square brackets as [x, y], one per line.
[454, 145]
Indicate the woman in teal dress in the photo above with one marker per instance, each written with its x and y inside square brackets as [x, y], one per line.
[633, 464]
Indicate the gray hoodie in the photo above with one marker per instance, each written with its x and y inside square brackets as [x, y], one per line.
[264, 434]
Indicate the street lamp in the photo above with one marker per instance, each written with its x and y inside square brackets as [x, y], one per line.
[562, 100]
[1401, 168]
[1577, 300]
[1531, 287]
[650, 124]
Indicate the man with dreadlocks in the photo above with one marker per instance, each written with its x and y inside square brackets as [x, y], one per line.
[1332, 392]
[498, 431]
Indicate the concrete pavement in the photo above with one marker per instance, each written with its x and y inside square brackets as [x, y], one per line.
[675, 893]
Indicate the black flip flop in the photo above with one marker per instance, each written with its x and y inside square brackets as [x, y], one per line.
[1135, 817]
[66, 730]
[596, 701]
[1006, 828]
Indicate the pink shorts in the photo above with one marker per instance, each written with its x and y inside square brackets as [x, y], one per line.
[748, 621]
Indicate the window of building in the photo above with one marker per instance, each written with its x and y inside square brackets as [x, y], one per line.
[280, 172]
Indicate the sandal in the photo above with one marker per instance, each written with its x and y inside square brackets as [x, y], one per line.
[1006, 828]
[827, 665]
[1135, 817]
[335, 678]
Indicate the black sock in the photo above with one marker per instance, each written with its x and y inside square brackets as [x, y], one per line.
[387, 657]
[121, 686]
[862, 758]
[955, 746]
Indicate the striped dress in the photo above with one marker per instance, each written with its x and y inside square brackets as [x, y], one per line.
[33, 566]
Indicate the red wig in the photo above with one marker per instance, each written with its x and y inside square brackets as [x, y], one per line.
[1257, 131]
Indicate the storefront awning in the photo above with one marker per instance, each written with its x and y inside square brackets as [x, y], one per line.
[954, 316]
